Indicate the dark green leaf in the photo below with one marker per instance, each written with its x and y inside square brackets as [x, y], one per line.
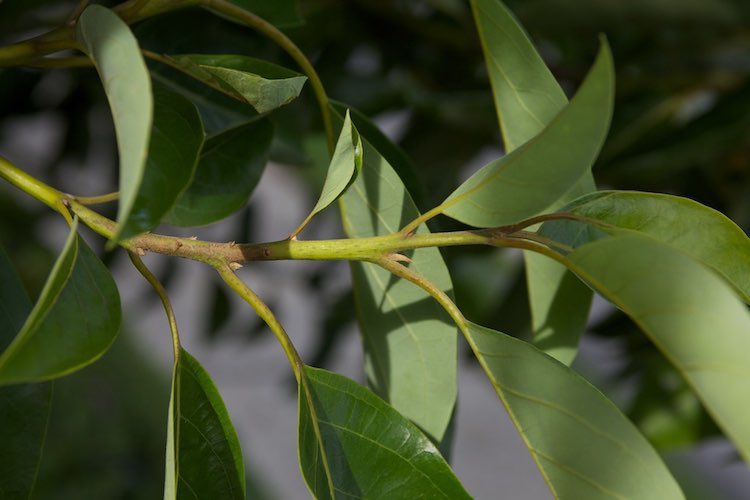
[373, 451]
[688, 311]
[409, 341]
[24, 409]
[583, 445]
[228, 170]
[74, 321]
[176, 140]
[262, 85]
[533, 177]
[110, 44]
[204, 459]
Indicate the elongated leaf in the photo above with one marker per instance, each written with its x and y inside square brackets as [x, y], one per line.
[24, 409]
[688, 311]
[345, 165]
[583, 445]
[262, 85]
[110, 44]
[279, 12]
[527, 98]
[74, 321]
[409, 342]
[533, 177]
[176, 140]
[229, 168]
[204, 459]
[373, 452]
[695, 229]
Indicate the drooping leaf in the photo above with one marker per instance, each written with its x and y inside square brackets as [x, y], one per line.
[409, 342]
[344, 167]
[527, 98]
[581, 442]
[373, 451]
[204, 459]
[176, 140]
[24, 409]
[697, 230]
[282, 13]
[690, 313]
[74, 321]
[533, 177]
[229, 168]
[114, 50]
[263, 85]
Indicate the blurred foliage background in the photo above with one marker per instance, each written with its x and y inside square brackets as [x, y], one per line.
[681, 126]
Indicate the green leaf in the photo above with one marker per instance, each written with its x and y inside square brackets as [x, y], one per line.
[176, 141]
[229, 168]
[24, 409]
[74, 321]
[372, 450]
[527, 98]
[283, 13]
[689, 312]
[114, 50]
[345, 165]
[694, 229]
[533, 177]
[204, 459]
[409, 341]
[262, 85]
[583, 445]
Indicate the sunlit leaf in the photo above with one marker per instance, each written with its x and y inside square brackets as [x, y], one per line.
[263, 85]
[533, 177]
[409, 341]
[24, 409]
[581, 442]
[229, 168]
[204, 459]
[176, 140]
[110, 44]
[74, 321]
[690, 313]
[373, 451]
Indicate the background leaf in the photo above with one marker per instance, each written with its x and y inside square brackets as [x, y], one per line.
[409, 341]
[176, 141]
[204, 459]
[24, 409]
[533, 177]
[362, 434]
[109, 42]
[229, 168]
[688, 311]
[74, 321]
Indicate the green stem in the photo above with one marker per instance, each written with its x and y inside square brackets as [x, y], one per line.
[274, 34]
[96, 200]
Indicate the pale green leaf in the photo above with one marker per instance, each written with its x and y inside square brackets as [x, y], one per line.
[372, 450]
[204, 459]
[74, 321]
[108, 41]
[409, 341]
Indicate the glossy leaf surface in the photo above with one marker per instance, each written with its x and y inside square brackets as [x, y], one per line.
[372, 450]
[409, 341]
[533, 177]
[74, 321]
[689, 312]
[229, 168]
[204, 459]
[697, 230]
[263, 85]
[583, 445]
[24, 409]
[109, 42]
[176, 140]
[527, 98]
